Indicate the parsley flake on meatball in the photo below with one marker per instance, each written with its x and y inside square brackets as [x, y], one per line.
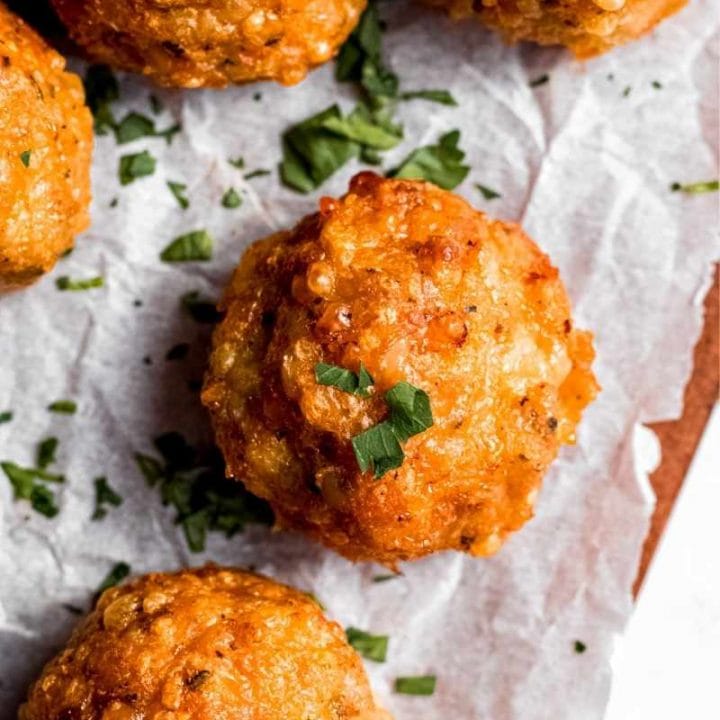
[396, 373]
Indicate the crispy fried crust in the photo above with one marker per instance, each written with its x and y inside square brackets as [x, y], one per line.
[587, 27]
[205, 644]
[419, 286]
[44, 205]
[210, 43]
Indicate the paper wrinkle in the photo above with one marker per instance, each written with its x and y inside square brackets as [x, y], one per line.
[586, 171]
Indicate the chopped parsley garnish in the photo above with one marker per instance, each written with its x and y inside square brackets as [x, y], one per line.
[312, 153]
[360, 58]
[118, 573]
[178, 352]
[335, 376]
[696, 188]
[25, 486]
[626, 91]
[135, 166]
[6, 416]
[372, 647]
[580, 647]
[417, 685]
[257, 97]
[65, 407]
[231, 199]
[193, 481]
[195, 246]
[104, 495]
[439, 96]
[201, 310]
[135, 126]
[101, 89]
[178, 191]
[156, 104]
[656, 84]
[66, 283]
[260, 172]
[379, 447]
[238, 162]
[46, 452]
[539, 81]
[315, 148]
[113, 203]
[25, 157]
[384, 578]
[440, 164]
[487, 193]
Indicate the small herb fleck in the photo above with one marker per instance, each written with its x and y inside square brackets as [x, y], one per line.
[487, 193]
[440, 164]
[256, 173]
[135, 166]
[580, 646]
[6, 416]
[114, 202]
[104, 495]
[696, 188]
[372, 647]
[66, 283]
[65, 407]
[156, 104]
[626, 91]
[541, 80]
[238, 162]
[46, 452]
[417, 685]
[257, 97]
[657, 84]
[439, 96]
[384, 578]
[25, 157]
[116, 575]
[231, 199]
[101, 90]
[195, 246]
[343, 379]
[178, 191]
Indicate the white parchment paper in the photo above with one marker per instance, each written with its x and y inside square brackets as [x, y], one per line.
[582, 163]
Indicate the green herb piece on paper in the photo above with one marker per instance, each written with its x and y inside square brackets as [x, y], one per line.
[195, 246]
[440, 164]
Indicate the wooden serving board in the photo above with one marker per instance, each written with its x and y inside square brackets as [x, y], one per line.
[680, 438]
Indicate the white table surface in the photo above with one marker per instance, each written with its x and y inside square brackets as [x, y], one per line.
[667, 665]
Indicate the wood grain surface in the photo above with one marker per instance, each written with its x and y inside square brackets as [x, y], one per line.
[680, 438]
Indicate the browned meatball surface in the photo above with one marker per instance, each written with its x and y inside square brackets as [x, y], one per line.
[204, 644]
[587, 27]
[411, 283]
[210, 43]
[45, 147]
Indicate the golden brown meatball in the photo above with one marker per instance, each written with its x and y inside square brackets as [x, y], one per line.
[45, 148]
[419, 287]
[587, 27]
[210, 43]
[204, 644]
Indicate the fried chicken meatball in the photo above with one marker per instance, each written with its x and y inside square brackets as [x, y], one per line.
[45, 148]
[204, 644]
[419, 287]
[587, 27]
[210, 43]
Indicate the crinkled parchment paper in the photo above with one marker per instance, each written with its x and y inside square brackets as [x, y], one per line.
[582, 164]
